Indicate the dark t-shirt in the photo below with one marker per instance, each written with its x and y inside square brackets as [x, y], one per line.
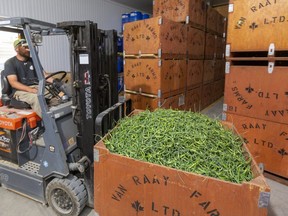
[24, 70]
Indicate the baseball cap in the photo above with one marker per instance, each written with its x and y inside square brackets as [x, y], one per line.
[20, 42]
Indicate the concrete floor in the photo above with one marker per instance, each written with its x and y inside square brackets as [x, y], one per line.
[12, 204]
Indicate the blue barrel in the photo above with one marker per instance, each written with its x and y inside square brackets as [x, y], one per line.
[120, 44]
[145, 16]
[120, 83]
[125, 19]
[135, 15]
[120, 64]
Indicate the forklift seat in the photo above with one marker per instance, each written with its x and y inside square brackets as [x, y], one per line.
[6, 92]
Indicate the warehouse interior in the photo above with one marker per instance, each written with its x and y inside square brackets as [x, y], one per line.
[223, 59]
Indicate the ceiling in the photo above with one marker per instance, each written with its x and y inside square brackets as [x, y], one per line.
[142, 5]
[147, 5]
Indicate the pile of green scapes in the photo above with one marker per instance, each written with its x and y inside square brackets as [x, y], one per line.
[182, 140]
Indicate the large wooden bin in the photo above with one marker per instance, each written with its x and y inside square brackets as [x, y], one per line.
[255, 25]
[152, 102]
[219, 69]
[219, 89]
[195, 43]
[194, 73]
[155, 76]
[266, 140]
[193, 100]
[125, 186]
[192, 11]
[210, 46]
[156, 36]
[254, 92]
[209, 71]
[207, 95]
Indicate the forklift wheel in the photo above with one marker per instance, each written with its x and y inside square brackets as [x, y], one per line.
[66, 196]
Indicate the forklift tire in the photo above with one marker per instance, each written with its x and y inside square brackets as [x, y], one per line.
[67, 196]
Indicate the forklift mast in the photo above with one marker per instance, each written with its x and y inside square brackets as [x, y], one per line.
[93, 54]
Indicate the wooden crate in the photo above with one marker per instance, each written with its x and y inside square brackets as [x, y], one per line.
[218, 89]
[152, 102]
[153, 76]
[195, 43]
[220, 47]
[207, 97]
[219, 72]
[194, 73]
[255, 25]
[209, 70]
[125, 186]
[221, 25]
[266, 140]
[193, 100]
[189, 11]
[212, 20]
[210, 46]
[155, 37]
[252, 91]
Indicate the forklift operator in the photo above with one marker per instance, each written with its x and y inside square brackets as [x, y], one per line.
[22, 76]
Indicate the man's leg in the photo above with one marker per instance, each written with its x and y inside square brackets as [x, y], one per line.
[31, 99]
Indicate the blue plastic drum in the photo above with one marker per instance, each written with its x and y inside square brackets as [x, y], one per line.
[145, 16]
[119, 44]
[135, 15]
[125, 19]
[120, 64]
[120, 83]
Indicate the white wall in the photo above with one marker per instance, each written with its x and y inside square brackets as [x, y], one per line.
[54, 54]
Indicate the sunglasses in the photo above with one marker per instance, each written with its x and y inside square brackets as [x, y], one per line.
[22, 43]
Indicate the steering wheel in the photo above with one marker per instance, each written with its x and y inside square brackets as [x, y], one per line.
[53, 90]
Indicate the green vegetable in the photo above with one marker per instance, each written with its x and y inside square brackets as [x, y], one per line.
[182, 140]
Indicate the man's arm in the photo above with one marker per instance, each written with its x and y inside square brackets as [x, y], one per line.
[12, 79]
[50, 80]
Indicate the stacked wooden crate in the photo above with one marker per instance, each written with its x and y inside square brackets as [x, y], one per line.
[256, 88]
[173, 60]
[155, 65]
[214, 63]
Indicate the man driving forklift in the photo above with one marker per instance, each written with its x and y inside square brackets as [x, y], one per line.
[22, 76]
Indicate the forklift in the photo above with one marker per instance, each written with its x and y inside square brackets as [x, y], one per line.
[55, 167]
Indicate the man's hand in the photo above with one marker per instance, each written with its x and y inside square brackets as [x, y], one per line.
[33, 89]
